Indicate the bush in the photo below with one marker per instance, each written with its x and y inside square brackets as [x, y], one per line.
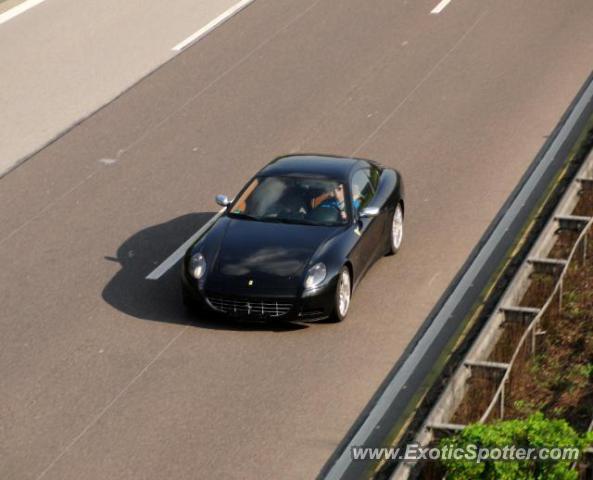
[534, 432]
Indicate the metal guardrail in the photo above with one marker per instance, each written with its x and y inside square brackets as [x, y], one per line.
[533, 329]
[509, 312]
[389, 415]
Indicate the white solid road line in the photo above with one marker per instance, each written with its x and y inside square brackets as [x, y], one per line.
[440, 7]
[212, 25]
[164, 267]
[18, 9]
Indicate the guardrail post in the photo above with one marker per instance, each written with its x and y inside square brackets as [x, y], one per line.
[547, 266]
[523, 315]
[502, 401]
[440, 430]
[586, 464]
[487, 365]
[574, 223]
[586, 183]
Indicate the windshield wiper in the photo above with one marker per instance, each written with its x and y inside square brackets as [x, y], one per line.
[292, 221]
[243, 216]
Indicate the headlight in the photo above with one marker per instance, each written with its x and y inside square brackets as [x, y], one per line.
[315, 276]
[197, 266]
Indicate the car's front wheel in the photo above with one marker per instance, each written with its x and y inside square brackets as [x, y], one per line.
[342, 296]
[397, 230]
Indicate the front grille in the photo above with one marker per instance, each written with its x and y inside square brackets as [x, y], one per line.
[252, 307]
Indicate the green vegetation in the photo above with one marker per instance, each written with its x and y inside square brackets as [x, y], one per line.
[536, 431]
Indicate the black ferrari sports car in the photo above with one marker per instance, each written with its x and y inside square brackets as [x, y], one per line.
[296, 240]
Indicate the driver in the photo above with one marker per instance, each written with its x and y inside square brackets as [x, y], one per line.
[335, 199]
[356, 197]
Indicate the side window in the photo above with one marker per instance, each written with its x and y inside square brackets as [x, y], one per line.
[375, 176]
[362, 189]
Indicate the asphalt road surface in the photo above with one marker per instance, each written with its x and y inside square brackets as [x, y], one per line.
[102, 374]
[62, 59]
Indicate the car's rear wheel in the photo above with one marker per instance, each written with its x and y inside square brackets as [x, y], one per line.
[343, 295]
[397, 230]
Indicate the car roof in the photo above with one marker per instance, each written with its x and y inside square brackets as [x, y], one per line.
[325, 166]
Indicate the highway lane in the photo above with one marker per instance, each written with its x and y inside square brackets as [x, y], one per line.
[101, 374]
[63, 59]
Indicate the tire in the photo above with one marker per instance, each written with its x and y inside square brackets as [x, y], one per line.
[343, 296]
[396, 232]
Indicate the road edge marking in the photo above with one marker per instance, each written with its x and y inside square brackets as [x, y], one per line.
[440, 7]
[223, 17]
[18, 9]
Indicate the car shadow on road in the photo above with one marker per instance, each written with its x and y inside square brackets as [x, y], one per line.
[160, 300]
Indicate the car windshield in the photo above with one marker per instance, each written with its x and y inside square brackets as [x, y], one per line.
[309, 201]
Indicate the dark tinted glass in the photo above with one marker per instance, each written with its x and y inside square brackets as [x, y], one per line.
[292, 200]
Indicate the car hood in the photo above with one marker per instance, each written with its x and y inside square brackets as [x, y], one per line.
[265, 257]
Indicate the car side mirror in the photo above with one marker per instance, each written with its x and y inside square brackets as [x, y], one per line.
[222, 200]
[369, 212]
